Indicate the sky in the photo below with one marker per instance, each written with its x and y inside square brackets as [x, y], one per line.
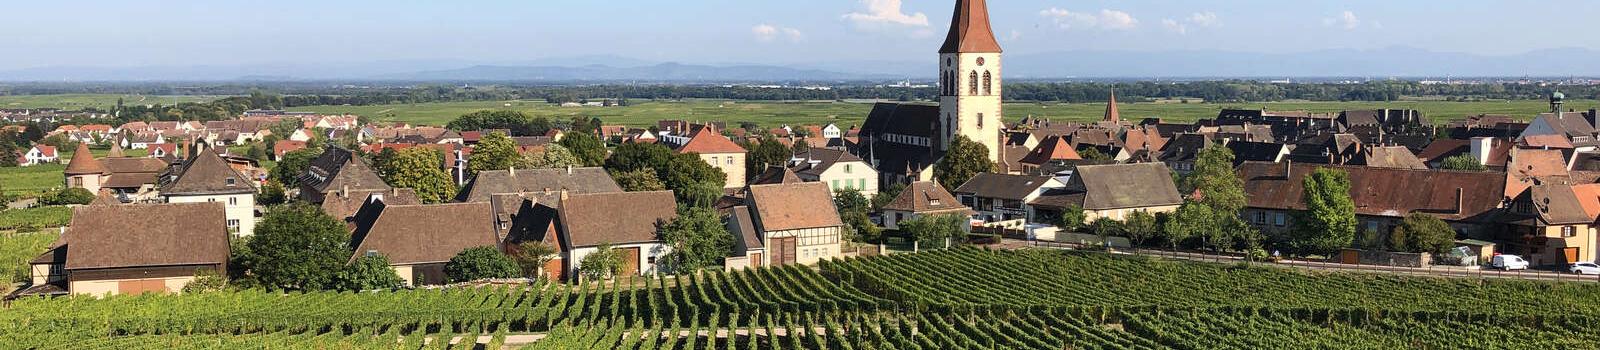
[116, 33]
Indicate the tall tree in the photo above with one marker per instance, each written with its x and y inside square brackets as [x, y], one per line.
[590, 150]
[1191, 220]
[495, 151]
[1329, 221]
[553, 156]
[636, 156]
[1215, 181]
[639, 180]
[291, 165]
[853, 209]
[1140, 227]
[518, 123]
[698, 240]
[768, 152]
[298, 247]
[1422, 233]
[927, 229]
[964, 160]
[420, 169]
[478, 263]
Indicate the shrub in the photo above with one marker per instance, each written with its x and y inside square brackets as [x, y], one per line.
[479, 263]
[67, 196]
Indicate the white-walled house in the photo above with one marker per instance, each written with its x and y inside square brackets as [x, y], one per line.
[796, 222]
[205, 177]
[577, 225]
[714, 149]
[839, 169]
[39, 154]
[1002, 197]
[919, 199]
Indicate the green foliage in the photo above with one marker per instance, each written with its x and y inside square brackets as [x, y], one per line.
[1072, 218]
[601, 264]
[1140, 226]
[16, 249]
[298, 247]
[272, 194]
[1213, 177]
[292, 164]
[368, 272]
[698, 240]
[67, 196]
[638, 180]
[37, 217]
[495, 151]
[638, 156]
[1105, 227]
[853, 209]
[930, 229]
[1094, 154]
[479, 263]
[518, 123]
[887, 194]
[1329, 221]
[691, 180]
[1191, 220]
[1422, 233]
[553, 156]
[1464, 162]
[965, 159]
[419, 168]
[531, 256]
[590, 150]
[205, 281]
[767, 153]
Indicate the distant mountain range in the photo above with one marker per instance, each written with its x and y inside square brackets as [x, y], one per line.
[1387, 62]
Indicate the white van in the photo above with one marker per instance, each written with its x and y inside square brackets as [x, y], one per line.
[1508, 262]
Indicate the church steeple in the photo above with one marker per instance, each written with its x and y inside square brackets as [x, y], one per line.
[969, 29]
[1111, 108]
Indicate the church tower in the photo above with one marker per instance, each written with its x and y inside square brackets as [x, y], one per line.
[969, 80]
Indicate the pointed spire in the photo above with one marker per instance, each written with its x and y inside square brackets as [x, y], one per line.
[1111, 108]
[969, 29]
[83, 162]
[116, 150]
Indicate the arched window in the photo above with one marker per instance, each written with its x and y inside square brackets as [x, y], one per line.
[987, 87]
[972, 84]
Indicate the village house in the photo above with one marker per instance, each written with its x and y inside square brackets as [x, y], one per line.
[1553, 224]
[548, 182]
[133, 249]
[343, 205]
[1397, 157]
[1111, 192]
[796, 223]
[919, 199]
[579, 224]
[714, 149]
[206, 177]
[133, 179]
[282, 147]
[748, 249]
[1005, 197]
[38, 154]
[1181, 153]
[1469, 201]
[419, 239]
[839, 169]
[140, 140]
[1052, 148]
[338, 169]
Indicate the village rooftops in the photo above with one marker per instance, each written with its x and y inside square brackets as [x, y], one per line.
[794, 206]
[1117, 186]
[141, 235]
[1446, 194]
[925, 197]
[204, 174]
[1003, 186]
[420, 234]
[551, 180]
[340, 169]
[616, 218]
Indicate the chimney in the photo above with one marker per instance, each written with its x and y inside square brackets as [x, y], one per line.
[1480, 149]
[512, 171]
[1461, 199]
[564, 195]
[1288, 168]
[569, 170]
[344, 191]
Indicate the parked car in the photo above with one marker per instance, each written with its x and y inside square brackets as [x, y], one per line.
[1508, 262]
[1584, 268]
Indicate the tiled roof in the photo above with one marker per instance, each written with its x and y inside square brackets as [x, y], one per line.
[338, 168]
[341, 205]
[1381, 191]
[969, 29]
[1388, 157]
[135, 235]
[824, 159]
[575, 180]
[1118, 186]
[1051, 148]
[925, 197]
[617, 218]
[416, 234]
[205, 174]
[706, 141]
[1003, 186]
[83, 162]
[775, 175]
[793, 206]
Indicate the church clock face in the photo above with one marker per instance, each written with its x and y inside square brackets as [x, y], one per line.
[980, 61]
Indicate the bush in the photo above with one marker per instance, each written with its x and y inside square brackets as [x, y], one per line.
[67, 196]
[367, 273]
[601, 264]
[479, 263]
[205, 280]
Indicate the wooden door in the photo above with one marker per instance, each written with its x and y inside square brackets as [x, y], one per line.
[756, 260]
[1348, 256]
[1571, 253]
[554, 269]
[783, 251]
[136, 287]
[630, 261]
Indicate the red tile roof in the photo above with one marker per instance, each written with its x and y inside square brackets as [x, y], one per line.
[84, 163]
[969, 29]
[705, 141]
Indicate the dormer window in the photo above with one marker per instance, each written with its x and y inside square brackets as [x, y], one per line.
[934, 202]
[230, 181]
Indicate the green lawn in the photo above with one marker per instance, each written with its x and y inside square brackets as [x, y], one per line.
[37, 217]
[771, 113]
[100, 101]
[31, 180]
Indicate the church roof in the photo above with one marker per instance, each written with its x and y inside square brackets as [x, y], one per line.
[1111, 108]
[969, 29]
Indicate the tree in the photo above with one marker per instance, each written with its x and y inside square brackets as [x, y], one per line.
[518, 123]
[853, 209]
[766, 153]
[603, 263]
[698, 240]
[636, 156]
[553, 156]
[1422, 233]
[1329, 221]
[298, 247]
[639, 180]
[292, 164]
[1105, 227]
[1140, 226]
[1464, 162]
[1191, 220]
[272, 194]
[1072, 218]
[495, 151]
[256, 152]
[1213, 177]
[887, 194]
[419, 168]
[590, 150]
[964, 160]
[531, 256]
[934, 228]
[370, 272]
[66, 196]
[1093, 154]
[478, 263]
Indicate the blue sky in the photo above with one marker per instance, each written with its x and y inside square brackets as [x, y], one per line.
[224, 32]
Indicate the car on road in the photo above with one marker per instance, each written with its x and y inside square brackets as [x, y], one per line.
[1508, 262]
[1584, 268]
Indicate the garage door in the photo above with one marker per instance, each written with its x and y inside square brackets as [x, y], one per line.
[136, 287]
[630, 261]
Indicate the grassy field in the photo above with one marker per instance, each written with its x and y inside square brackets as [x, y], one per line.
[16, 249]
[771, 113]
[31, 180]
[100, 101]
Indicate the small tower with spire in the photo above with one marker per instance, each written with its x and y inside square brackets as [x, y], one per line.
[1556, 99]
[85, 172]
[969, 80]
[1111, 108]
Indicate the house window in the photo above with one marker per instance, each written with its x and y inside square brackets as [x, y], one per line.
[834, 185]
[1277, 219]
[847, 168]
[651, 260]
[730, 160]
[230, 181]
[714, 160]
[863, 183]
[77, 182]
[986, 84]
[1261, 217]
[980, 120]
[233, 200]
[934, 202]
[972, 83]
[1569, 231]
[233, 223]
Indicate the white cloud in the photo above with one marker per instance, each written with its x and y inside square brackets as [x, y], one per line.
[886, 12]
[1106, 19]
[767, 32]
[1174, 26]
[1346, 20]
[1015, 34]
[1198, 19]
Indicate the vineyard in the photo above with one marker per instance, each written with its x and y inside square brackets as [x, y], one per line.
[962, 298]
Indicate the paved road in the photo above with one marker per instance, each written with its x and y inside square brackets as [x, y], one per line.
[1438, 271]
